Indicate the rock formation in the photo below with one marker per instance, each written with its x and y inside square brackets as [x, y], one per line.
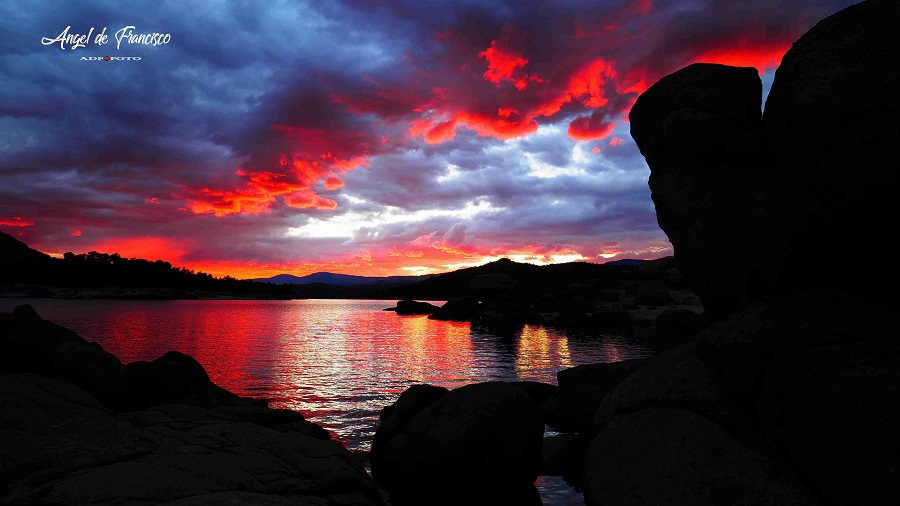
[479, 445]
[789, 396]
[78, 427]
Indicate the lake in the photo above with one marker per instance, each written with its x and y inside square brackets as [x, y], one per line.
[336, 361]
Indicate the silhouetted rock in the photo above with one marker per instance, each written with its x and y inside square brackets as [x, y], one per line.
[581, 389]
[176, 377]
[831, 124]
[819, 370]
[674, 456]
[676, 325]
[653, 293]
[790, 396]
[610, 315]
[563, 455]
[797, 390]
[699, 130]
[750, 202]
[485, 435]
[60, 444]
[544, 394]
[459, 309]
[413, 307]
[32, 344]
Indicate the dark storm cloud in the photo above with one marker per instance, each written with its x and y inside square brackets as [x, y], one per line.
[386, 121]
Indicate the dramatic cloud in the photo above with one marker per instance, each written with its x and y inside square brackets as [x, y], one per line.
[352, 137]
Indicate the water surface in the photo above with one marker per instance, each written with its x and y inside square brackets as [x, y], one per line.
[336, 361]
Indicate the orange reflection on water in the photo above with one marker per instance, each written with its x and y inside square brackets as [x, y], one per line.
[540, 349]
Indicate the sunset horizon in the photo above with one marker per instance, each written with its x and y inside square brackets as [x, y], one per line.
[286, 140]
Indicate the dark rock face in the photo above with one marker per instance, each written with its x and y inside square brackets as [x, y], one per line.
[79, 428]
[460, 309]
[831, 122]
[798, 391]
[751, 202]
[486, 436]
[653, 293]
[789, 396]
[699, 130]
[176, 377]
[581, 389]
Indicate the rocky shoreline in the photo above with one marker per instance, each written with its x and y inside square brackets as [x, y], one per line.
[789, 394]
[78, 427]
[654, 304]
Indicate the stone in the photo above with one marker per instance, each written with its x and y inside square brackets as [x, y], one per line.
[459, 309]
[485, 435]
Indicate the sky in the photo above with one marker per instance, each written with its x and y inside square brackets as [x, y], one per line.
[363, 137]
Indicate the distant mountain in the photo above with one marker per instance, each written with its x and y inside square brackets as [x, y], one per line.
[333, 279]
[625, 261]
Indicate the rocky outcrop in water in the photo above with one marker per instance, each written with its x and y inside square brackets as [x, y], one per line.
[789, 396]
[439, 447]
[78, 427]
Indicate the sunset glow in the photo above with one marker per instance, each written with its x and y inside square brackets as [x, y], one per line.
[428, 140]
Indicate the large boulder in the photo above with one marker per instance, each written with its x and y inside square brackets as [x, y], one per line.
[789, 396]
[790, 401]
[675, 456]
[61, 445]
[486, 436]
[581, 389]
[831, 123]
[176, 377]
[750, 201]
[819, 371]
[700, 131]
[31, 344]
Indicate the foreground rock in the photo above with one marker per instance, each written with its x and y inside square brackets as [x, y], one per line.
[790, 396]
[478, 445]
[189, 442]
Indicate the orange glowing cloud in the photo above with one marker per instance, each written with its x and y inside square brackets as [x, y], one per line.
[591, 82]
[319, 155]
[744, 53]
[615, 141]
[333, 183]
[15, 221]
[590, 128]
[77, 233]
[306, 199]
[149, 248]
[503, 64]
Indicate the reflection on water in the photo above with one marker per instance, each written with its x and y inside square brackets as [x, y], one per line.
[336, 361]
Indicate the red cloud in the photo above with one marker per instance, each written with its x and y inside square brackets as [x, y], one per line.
[308, 199]
[15, 221]
[333, 183]
[148, 248]
[317, 155]
[502, 65]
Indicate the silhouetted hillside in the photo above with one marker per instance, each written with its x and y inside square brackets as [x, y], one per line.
[21, 265]
[520, 276]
